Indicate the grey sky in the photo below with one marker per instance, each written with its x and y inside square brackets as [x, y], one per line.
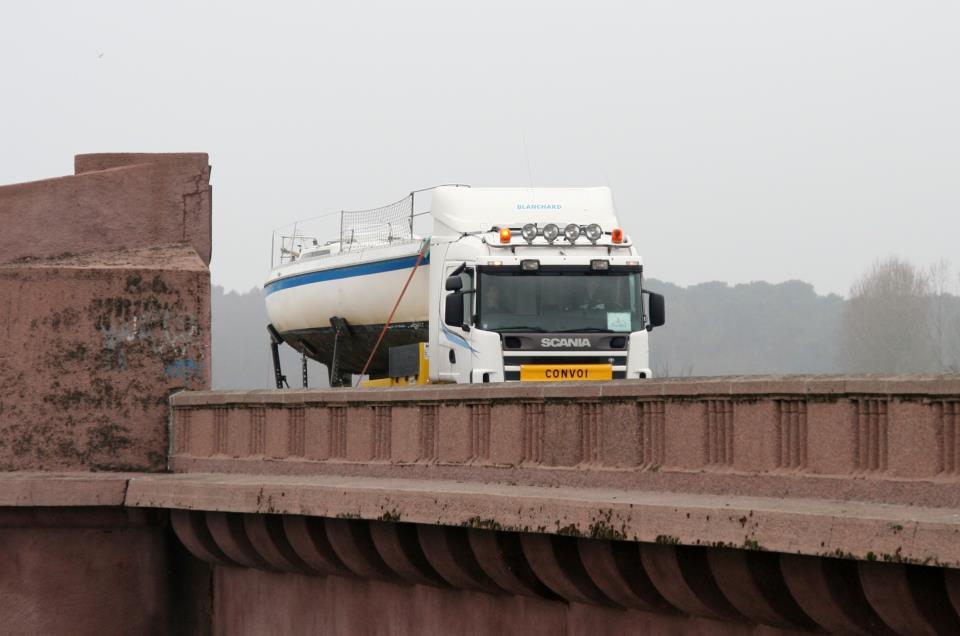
[743, 140]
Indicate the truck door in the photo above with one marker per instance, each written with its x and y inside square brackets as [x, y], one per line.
[454, 360]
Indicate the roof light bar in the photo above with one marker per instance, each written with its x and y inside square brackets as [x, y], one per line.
[551, 232]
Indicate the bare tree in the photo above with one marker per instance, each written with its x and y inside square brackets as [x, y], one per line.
[941, 319]
[938, 278]
[953, 344]
[886, 320]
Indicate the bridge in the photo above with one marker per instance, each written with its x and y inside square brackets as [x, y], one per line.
[134, 500]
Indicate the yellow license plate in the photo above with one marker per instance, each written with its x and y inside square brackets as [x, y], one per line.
[565, 372]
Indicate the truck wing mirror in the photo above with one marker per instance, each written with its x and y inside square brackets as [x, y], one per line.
[657, 311]
[454, 283]
[453, 315]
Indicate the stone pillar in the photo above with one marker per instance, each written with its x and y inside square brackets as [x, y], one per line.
[104, 312]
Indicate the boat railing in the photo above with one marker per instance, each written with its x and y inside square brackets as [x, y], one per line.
[385, 225]
[389, 224]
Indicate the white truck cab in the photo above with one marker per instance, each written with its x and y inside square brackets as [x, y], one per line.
[535, 284]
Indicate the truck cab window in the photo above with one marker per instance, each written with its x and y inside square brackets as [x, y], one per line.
[467, 277]
[571, 300]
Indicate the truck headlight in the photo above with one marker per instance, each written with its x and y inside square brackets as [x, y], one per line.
[594, 232]
[571, 232]
[550, 232]
[529, 232]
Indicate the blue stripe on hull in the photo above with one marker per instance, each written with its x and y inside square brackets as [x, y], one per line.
[363, 269]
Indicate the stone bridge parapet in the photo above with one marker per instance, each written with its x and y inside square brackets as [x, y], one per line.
[860, 438]
[798, 503]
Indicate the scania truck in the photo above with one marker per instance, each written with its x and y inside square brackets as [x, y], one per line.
[512, 284]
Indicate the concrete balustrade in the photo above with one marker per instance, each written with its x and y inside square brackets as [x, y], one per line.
[875, 439]
[799, 503]
[884, 428]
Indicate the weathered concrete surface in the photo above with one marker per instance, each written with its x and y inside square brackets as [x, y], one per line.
[259, 602]
[82, 571]
[63, 489]
[116, 201]
[91, 347]
[666, 584]
[93, 339]
[862, 530]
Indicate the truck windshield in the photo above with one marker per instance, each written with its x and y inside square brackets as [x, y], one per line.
[559, 301]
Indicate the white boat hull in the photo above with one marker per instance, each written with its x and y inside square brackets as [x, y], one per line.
[360, 287]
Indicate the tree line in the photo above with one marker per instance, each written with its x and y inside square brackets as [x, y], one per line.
[901, 318]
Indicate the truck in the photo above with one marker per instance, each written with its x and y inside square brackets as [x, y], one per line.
[510, 284]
